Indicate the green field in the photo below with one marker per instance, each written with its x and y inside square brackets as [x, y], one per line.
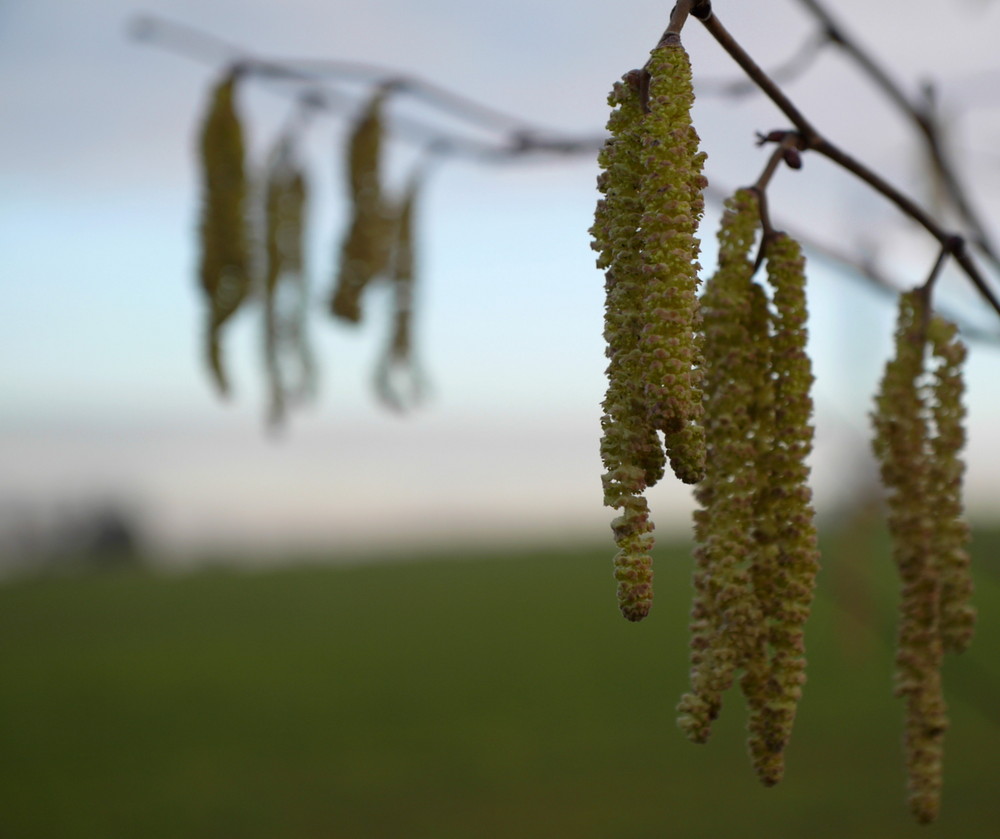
[478, 696]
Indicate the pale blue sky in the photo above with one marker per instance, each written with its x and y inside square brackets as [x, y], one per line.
[102, 388]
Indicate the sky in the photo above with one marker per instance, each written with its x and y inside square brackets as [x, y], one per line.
[104, 396]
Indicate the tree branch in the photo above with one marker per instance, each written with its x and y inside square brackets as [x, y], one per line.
[811, 139]
[921, 115]
[518, 137]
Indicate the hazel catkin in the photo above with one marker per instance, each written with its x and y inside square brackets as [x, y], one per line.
[756, 557]
[900, 443]
[288, 358]
[367, 246]
[951, 533]
[644, 229]
[918, 435]
[397, 357]
[630, 448]
[786, 558]
[725, 616]
[224, 262]
[670, 193]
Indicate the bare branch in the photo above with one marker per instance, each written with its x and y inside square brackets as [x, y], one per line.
[921, 114]
[811, 139]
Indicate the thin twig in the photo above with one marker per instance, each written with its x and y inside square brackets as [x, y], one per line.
[863, 269]
[936, 270]
[921, 115]
[520, 139]
[811, 139]
[788, 144]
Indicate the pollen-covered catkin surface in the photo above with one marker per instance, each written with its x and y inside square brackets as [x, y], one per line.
[672, 207]
[224, 269]
[630, 448]
[786, 558]
[902, 446]
[726, 618]
[951, 532]
[367, 246]
[644, 229]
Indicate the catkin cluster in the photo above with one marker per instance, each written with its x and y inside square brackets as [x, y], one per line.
[919, 434]
[225, 248]
[756, 556]
[252, 234]
[251, 248]
[379, 243]
[644, 230]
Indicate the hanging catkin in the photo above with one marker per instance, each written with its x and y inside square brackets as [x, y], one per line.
[224, 267]
[918, 434]
[786, 559]
[644, 228]
[288, 358]
[670, 193]
[397, 358]
[630, 448]
[901, 441]
[367, 246]
[756, 557]
[951, 533]
[726, 618]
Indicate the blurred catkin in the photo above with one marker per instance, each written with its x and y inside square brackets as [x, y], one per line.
[919, 503]
[288, 358]
[224, 267]
[397, 359]
[366, 249]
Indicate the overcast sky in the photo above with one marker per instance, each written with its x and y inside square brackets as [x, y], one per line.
[102, 390]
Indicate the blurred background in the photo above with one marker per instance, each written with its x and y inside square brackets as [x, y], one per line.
[431, 697]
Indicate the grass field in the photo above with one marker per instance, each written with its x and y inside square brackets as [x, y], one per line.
[477, 696]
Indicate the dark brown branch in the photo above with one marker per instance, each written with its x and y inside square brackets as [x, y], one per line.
[760, 78]
[939, 264]
[861, 268]
[787, 149]
[811, 139]
[922, 116]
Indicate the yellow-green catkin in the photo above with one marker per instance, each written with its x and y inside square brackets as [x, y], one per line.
[726, 617]
[224, 264]
[901, 444]
[671, 197]
[630, 448]
[367, 246]
[285, 285]
[951, 532]
[644, 229]
[398, 354]
[786, 558]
